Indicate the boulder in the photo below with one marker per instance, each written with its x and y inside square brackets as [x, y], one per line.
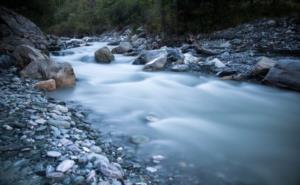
[148, 55]
[263, 66]
[124, 47]
[63, 74]
[25, 54]
[285, 74]
[36, 65]
[156, 64]
[103, 55]
[17, 30]
[33, 62]
[47, 85]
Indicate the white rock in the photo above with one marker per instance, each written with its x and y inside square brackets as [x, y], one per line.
[189, 58]
[216, 62]
[65, 165]
[7, 127]
[40, 121]
[96, 149]
[91, 175]
[54, 154]
[151, 169]
[61, 108]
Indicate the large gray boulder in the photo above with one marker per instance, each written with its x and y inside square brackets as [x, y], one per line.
[124, 47]
[17, 30]
[285, 74]
[103, 55]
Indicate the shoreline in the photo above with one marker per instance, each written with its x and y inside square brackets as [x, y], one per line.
[50, 142]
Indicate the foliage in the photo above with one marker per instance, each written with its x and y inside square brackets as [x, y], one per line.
[75, 17]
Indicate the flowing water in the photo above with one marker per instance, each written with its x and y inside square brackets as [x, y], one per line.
[217, 132]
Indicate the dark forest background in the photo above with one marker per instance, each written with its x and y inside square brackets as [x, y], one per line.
[81, 17]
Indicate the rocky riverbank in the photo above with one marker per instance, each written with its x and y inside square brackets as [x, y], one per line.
[44, 141]
[237, 53]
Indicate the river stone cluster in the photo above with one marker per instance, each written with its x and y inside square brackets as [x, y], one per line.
[49, 142]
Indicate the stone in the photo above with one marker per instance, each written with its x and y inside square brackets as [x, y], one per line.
[124, 47]
[151, 169]
[62, 73]
[65, 165]
[61, 108]
[33, 62]
[96, 149]
[285, 74]
[55, 175]
[217, 63]
[47, 85]
[7, 127]
[103, 55]
[156, 64]
[97, 158]
[180, 68]
[60, 123]
[17, 30]
[54, 154]
[149, 55]
[79, 180]
[91, 175]
[112, 170]
[190, 59]
[263, 66]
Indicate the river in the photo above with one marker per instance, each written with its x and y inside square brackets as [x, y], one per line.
[214, 131]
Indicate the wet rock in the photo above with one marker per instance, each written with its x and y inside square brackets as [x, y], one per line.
[65, 165]
[96, 149]
[205, 51]
[47, 85]
[149, 55]
[63, 74]
[61, 108]
[124, 47]
[217, 63]
[55, 175]
[33, 62]
[156, 64]
[54, 154]
[7, 127]
[285, 74]
[263, 66]
[79, 180]
[151, 169]
[103, 55]
[60, 123]
[190, 59]
[180, 68]
[112, 170]
[91, 175]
